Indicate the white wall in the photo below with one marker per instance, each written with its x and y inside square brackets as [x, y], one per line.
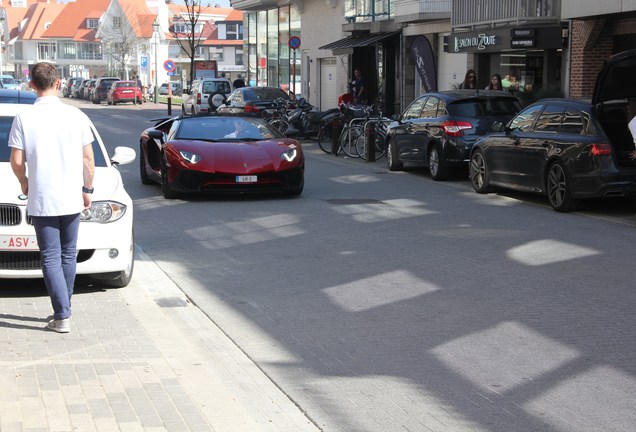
[321, 24]
[451, 68]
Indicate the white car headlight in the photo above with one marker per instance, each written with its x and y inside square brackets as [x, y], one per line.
[190, 157]
[289, 154]
[103, 212]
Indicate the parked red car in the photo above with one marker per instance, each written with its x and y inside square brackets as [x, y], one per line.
[124, 91]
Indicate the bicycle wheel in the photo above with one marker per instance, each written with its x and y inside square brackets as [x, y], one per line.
[280, 124]
[362, 143]
[324, 138]
[348, 140]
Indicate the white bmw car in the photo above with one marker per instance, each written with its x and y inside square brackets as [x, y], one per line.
[105, 244]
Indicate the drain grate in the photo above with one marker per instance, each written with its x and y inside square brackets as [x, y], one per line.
[349, 201]
[171, 302]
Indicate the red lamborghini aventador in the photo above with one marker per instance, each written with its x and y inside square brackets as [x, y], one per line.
[220, 154]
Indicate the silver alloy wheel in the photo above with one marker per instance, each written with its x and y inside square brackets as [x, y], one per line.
[557, 185]
[433, 162]
[477, 171]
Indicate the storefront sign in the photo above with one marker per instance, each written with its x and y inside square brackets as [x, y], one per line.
[481, 41]
[522, 38]
[522, 43]
[496, 40]
[522, 33]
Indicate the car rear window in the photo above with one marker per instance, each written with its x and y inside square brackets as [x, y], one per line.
[125, 84]
[214, 86]
[484, 107]
[262, 93]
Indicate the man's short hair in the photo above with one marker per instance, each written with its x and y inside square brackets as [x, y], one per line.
[44, 75]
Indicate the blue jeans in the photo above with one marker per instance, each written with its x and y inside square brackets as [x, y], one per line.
[57, 238]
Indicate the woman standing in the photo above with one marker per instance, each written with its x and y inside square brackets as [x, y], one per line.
[470, 80]
[495, 83]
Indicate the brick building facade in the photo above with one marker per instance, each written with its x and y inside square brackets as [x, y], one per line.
[593, 40]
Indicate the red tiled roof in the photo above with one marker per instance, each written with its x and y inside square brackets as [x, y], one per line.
[40, 14]
[235, 15]
[138, 15]
[14, 15]
[71, 22]
[226, 42]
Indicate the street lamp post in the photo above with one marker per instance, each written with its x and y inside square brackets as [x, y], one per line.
[155, 27]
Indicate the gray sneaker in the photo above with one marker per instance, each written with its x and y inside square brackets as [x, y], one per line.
[60, 326]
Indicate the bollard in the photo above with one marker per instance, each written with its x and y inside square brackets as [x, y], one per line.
[169, 105]
[335, 135]
[370, 141]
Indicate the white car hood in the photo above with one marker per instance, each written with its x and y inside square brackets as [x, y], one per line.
[107, 183]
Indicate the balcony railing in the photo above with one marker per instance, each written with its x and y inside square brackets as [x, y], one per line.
[468, 13]
[368, 10]
[432, 8]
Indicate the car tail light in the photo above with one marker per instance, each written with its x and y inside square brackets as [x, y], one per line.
[455, 128]
[601, 149]
[198, 98]
[249, 108]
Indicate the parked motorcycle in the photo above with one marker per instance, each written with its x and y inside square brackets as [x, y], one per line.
[307, 119]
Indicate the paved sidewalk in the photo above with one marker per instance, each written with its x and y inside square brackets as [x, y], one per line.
[141, 358]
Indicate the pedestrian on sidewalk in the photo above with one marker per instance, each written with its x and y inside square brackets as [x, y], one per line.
[56, 140]
[631, 124]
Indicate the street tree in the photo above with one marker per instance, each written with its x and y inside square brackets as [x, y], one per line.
[187, 30]
[121, 42]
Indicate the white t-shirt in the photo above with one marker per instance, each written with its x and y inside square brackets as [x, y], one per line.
[53, 135]
[632, 128]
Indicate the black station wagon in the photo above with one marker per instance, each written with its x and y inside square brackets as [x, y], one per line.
[563, 148]
[439, 129]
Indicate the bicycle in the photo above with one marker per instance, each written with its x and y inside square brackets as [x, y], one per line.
[352, 119]
[278, 117]
[381, 129]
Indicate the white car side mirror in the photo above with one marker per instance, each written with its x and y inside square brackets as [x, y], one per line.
[123, 155]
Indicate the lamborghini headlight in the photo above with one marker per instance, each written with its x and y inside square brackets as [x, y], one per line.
[190, 157]
[289, 154]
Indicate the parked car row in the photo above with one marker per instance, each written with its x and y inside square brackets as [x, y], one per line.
[113, 90]
[565, 149]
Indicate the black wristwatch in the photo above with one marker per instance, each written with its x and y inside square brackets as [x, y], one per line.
[87, 190]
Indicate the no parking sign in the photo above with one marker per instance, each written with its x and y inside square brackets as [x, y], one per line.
[169, 65]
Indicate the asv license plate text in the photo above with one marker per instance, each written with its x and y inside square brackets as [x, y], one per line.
[246, 179]
[18, 243]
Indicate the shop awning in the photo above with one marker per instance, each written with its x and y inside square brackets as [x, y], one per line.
[347, 44]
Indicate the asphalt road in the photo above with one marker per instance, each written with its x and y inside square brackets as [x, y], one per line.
[384, 301]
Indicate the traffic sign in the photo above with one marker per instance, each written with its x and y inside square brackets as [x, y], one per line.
[169, 66]
[294, 42]
[143, 61]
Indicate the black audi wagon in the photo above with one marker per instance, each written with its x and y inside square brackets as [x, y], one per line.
[566, 149]
[439, 129]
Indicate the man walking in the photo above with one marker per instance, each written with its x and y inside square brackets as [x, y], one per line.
[56, 141]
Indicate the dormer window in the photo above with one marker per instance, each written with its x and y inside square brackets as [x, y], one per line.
[92, 23]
